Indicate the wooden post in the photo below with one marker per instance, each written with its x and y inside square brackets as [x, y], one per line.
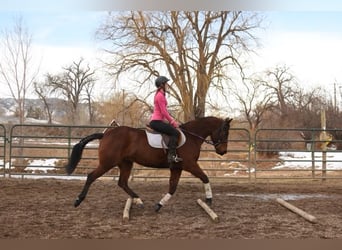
[323, 137]
[312, 149]
[296, 210]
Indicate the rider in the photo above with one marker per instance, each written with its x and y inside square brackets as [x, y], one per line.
[160, 114]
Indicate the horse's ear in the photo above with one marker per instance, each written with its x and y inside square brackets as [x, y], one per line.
[228, 120]
[227, 123]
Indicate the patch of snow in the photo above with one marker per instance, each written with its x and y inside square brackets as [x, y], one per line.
[287, 197]
[303, 160]
[41, 165]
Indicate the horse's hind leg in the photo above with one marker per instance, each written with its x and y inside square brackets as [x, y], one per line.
[92, 176]
[125, 171]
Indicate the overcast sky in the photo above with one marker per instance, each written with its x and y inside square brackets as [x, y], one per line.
[308, 41]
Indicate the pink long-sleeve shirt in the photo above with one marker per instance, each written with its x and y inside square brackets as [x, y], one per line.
[160, 107]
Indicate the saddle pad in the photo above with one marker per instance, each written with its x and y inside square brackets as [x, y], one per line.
[155, 140]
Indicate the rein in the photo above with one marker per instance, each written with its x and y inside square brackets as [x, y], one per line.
[211, 142]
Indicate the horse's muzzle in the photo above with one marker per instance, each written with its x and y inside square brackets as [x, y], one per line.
[221, 152]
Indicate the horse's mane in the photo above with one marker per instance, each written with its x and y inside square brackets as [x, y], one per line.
[202, 121]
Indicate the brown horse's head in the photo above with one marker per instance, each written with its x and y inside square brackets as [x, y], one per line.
[220, 137]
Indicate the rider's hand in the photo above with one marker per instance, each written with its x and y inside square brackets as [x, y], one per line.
[174, 124]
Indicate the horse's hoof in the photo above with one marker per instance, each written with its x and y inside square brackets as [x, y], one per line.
[209, 201]
[157, 207]
[77, 202]
[138, 202]
[140, 206]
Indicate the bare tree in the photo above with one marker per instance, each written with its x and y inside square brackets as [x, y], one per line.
[43, 93]
[197, 50]
[75, 84]
[17, 70]
[90, 102]
[126, 109]
[254, 101]
[284, 87]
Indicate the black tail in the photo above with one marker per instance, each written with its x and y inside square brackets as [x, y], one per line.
[77, 150]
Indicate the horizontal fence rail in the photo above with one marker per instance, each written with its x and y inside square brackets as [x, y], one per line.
[234, 164]
[298, 153]
[236, 160]
[43, 150]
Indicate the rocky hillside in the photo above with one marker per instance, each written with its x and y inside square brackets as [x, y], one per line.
[34, 110]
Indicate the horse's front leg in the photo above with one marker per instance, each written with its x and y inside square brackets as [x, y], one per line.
[173, 183]
[208, 193]
[196, 171]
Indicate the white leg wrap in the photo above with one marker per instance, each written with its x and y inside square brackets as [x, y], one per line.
[207, 189]
[165, 199]
[137, 201]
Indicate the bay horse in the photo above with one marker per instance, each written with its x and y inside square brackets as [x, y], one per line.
[122, 146]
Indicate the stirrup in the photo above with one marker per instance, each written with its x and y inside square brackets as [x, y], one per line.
[175, 158]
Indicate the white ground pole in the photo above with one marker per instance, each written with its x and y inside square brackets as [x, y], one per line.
[298, 211]
[207, 209]
[127, 209]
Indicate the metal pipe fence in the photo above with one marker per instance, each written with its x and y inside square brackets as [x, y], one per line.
[235, 164]
[43, 150]
[297, 153]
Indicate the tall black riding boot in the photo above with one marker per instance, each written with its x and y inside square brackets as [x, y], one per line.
[172, 154]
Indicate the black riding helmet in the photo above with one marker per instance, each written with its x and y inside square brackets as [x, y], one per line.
[161, 80]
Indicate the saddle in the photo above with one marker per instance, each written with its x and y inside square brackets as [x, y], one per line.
[158, 140]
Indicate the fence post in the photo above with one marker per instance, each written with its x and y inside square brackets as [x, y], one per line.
[69, 142]
[323, 137]
[255, 149]
[312, 149]
[3, 146]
